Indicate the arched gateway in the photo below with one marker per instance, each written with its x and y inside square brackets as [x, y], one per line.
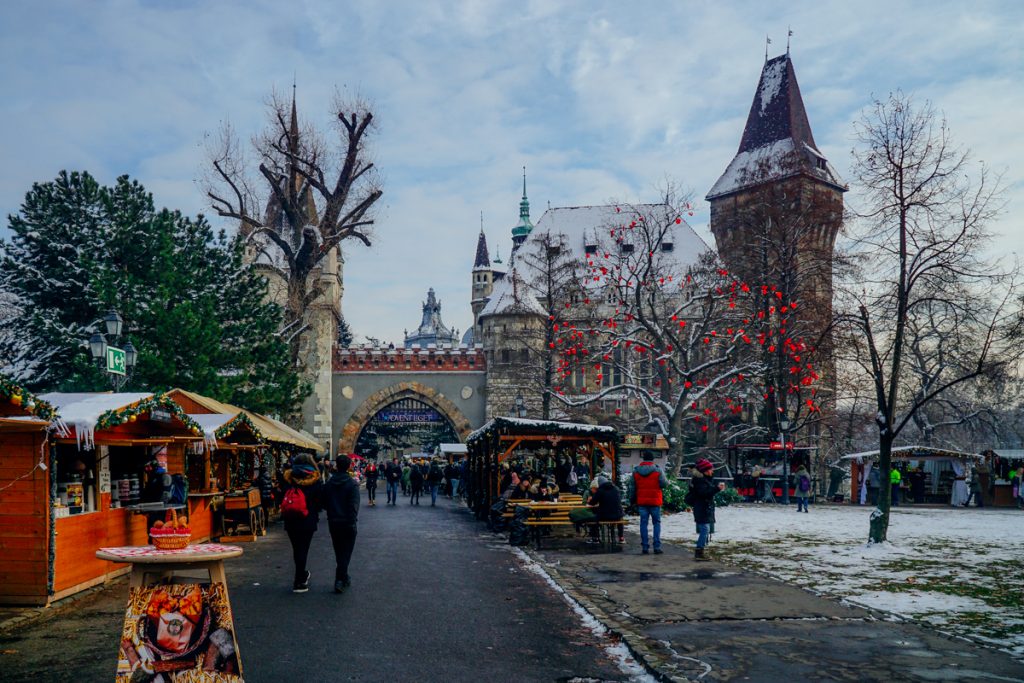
[402, 398]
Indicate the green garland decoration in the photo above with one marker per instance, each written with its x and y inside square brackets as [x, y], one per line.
[28, 401]
[231, 425]
[118, 416]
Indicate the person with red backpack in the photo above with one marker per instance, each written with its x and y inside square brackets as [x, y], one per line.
[300, 510]
[645, 489]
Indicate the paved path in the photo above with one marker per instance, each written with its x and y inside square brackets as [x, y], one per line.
[434, 598]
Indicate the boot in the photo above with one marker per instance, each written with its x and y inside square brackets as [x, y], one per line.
[699, 556]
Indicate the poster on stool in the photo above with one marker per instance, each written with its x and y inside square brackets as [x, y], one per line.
[178, 633]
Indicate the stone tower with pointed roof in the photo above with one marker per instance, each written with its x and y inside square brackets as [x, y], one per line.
[321, 317]
[780, 189]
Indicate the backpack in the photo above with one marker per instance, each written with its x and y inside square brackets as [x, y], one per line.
[294, 504]
[572, 479]
[804, 485]
[179, 489]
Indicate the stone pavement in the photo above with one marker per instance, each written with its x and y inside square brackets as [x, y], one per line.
[706, 621]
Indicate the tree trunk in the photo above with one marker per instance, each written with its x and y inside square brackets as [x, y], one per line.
[675, 443]
[879, 527]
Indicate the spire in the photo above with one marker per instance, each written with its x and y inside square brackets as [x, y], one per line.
[293, 129]
[525, 225]
[777, 137]
[483, 259]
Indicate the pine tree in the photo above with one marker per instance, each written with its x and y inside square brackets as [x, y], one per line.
[345, 336]
[193, 309]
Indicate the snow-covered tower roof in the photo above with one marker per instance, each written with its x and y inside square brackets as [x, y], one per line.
[483, 259]
[777, 141]
[511, 296]
[432, 329]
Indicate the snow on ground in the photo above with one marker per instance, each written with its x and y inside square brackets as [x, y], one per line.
[959, 570]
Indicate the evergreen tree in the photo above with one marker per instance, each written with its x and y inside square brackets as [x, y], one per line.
[195, 312]
[345, 336]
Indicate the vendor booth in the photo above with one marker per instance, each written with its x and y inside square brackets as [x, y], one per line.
[91, 467]
[545, 447]
[927, 475]
[1004, 464]
[633, 448]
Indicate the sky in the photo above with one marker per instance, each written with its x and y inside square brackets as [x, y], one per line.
[601, 101]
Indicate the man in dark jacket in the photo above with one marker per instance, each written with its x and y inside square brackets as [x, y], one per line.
[701, 498]
[607, 505]
[392, 477]
[415, 484]
[303, 478]
[341, 500]
[645, 490]
[435, 475]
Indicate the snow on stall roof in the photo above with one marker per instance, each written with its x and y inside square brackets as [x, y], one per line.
[83, 410]
[910, 453]
[581, 427]
[453, 448]
[210, 423]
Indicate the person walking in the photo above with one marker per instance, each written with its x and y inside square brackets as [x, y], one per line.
[392, 477]
[895, 478]
[701, 498]
[456, 479]
[406, 479]
[435, 476]
[341, 501]
[645, 492]
[371, 474]
[802, 488]
[975, 489]
[300, 509]
[415, 484]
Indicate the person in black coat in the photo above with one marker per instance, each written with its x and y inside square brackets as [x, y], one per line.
[701, 498]
[607, 505]
[341, 501]
[415, 484]
[304, 478]
[392, 477]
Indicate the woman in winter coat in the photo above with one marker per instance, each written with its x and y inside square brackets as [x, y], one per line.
[801, 488]
[701, 498]
[607, 504]
[300, 510]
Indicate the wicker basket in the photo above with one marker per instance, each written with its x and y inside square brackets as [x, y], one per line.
[171, 541]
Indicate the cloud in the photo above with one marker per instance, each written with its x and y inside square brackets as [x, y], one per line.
[600, 100]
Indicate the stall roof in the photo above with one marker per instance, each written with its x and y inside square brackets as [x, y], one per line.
[915, 453]
[82, 411]
[18, 402]
[553, 427]
[456, 448]
[269, 428]
[1009, 453]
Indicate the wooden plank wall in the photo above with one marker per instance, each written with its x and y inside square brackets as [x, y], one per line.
[24, 520]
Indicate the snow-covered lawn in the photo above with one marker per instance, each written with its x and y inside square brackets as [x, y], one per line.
[960, 570]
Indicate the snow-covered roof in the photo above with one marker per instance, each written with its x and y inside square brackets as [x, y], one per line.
[554, 426]
[83, 410]
[455, 448]
[512, 296]
[774, 161]
[1009, 453]
[914, 453]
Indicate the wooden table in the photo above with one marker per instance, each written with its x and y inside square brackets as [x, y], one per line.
[212, 643]
[546, 514]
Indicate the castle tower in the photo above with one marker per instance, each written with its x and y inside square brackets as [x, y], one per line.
[483, 278]
[777, 209]
[525, 226]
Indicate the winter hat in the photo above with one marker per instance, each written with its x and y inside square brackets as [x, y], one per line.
[704, 465]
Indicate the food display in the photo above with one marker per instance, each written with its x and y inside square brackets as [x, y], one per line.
[172, 534]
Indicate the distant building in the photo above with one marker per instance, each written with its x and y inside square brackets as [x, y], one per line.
[432, 329]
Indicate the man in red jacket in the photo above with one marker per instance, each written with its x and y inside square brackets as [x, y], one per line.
[645, 492]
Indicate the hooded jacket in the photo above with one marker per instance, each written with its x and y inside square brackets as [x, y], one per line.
[312, 488]
[701, 497]
[608, 501]
[646, 485]
[341, 500]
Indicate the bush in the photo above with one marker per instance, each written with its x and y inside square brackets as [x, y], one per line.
[673, 495]
[726, 497]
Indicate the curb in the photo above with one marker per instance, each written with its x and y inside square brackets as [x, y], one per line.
[30, 615]
[656, 659]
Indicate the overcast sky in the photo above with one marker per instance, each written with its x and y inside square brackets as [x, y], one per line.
[600, 100]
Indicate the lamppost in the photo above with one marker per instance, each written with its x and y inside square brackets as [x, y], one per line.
[783, 426]
[118, 363]
[520, 409]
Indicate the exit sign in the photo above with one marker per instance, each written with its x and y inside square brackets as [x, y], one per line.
[116, 363]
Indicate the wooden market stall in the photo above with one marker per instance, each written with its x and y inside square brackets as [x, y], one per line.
[944, 473]
[536, 444]
[25, 522]
[1002, 464]
[92, 443]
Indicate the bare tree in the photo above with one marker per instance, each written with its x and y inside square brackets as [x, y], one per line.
[676, 337]
[925, 290]
[306, 196]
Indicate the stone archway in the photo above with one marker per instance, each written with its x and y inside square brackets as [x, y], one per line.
[385, 397]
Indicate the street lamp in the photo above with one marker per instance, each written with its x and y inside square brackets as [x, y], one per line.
[113, 324]
[520, 405]
[783, 426]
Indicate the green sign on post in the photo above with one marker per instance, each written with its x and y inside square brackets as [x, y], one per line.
[116, 363]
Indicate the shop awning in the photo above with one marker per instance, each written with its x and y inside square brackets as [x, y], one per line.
[916, 453]
[87, 413]
[453, 448]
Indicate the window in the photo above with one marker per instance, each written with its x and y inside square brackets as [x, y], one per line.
[822, 164]
[626, 248]
[590, 249]
[667, 246]
[524, 356]
[506, 356]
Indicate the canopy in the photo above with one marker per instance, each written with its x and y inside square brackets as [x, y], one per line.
[547, 427]
[915, 453]
[453, 448]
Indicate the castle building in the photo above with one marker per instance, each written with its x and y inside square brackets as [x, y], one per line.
[432, 329]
